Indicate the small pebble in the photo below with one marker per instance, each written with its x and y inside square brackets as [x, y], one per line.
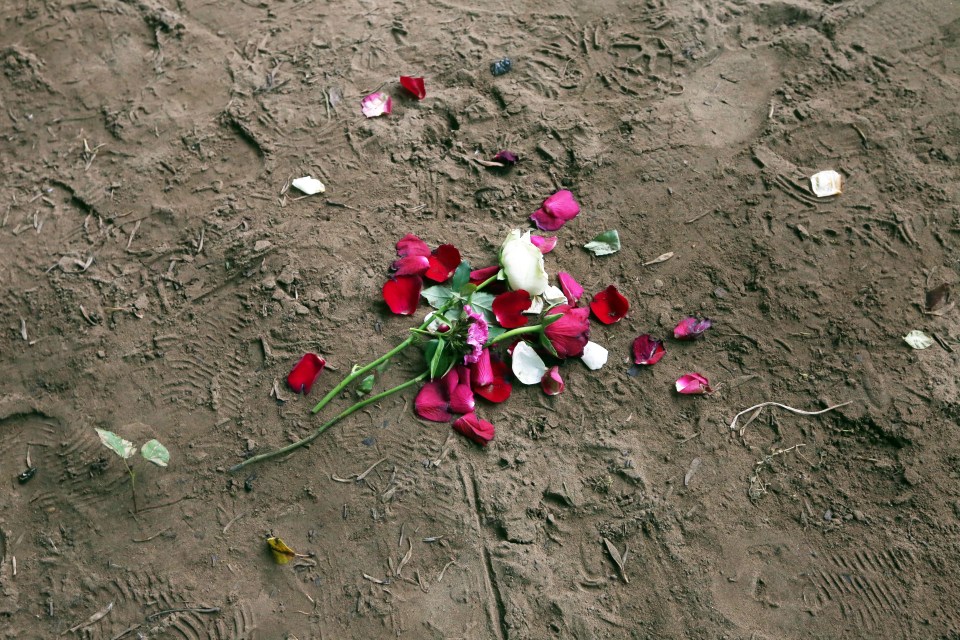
[501, 66]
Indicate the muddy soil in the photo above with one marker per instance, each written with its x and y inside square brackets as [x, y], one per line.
[159, 279]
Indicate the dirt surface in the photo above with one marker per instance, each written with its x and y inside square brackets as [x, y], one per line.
[157, 280]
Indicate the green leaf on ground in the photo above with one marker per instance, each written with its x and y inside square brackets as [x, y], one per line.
[604, 244]
[155, 452]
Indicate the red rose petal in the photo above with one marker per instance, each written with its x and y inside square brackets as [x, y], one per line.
[546, 245]
[480, 431]
[481, 371]
[478, 276]
[509, 307]
[647, 350]
[461, 396]
[570, 287]
[609, 305]
[499, 389]
[402, 294]
[443, 262]
[552, 383]
[410, 266]
[414, 86]
[411, 245]
[305, 373]
[570, 333]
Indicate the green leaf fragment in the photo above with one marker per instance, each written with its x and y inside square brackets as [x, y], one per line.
[604, 244]
[366, 385]
[121, 447]
[155, 452]
[436, 295]
[461, 277]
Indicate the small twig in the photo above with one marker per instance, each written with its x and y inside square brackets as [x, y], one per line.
[151, 537]
[184, 610]
[234, 519]
[444, 570]
[99, 615]
[733, 424]
[166, 504]
[358, 477]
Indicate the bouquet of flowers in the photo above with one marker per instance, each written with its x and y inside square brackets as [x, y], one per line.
[488, 328]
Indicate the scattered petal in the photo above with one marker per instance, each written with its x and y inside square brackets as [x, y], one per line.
[410, 266]
[693, 384]
[461, 395]
[414, 85]
[443, 262]
[536, 306]
[609, 305]
[570, 287]
[545, 245]
[594, 356]
[604, 244]
[552, 383]
[305, 373]
[498, 389]
[472, 427]
[691, 328]
[376, 104]
[508, 308]
[507, 158]
[282, 554]
[479, 276]
[402, 294]
[309, 185]
[523, 263]
[826, 183]
[556, 211]
[411, 245]
[432, 402]
[553, 296]
[528, 367]
[570, 333]
[481, 371]
[918, 340]
[647, 350]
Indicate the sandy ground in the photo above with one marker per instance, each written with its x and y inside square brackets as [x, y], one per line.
[157, 279]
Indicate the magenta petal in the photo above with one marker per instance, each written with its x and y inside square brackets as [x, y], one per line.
[691, 328]
[562, 205]
[461, 398]
[481, 371]
[305, 373]
[552, 383]
[472, 427]
[545, 245]
[376, 104]
[431, 403]
[402, 294]
[411, 266]
[693, 384]
[570, 287]
[546, 221]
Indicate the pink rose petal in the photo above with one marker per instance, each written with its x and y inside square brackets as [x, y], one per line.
[693, 384]
[647, 350]
[376, 104]
[570, 287]
[545, 245]
[691, 328]
[552, 383]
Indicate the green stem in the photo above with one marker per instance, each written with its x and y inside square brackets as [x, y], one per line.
[329, 423]
[480, 286]
[513, 333]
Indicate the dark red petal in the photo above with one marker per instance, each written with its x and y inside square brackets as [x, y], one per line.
[571, 332]
[431, 403]
[647, 350]
[410, 266]
[443, 262]
[402, 294]
[414, 86]
[305, 373]
[480, 431]
[482, 275]
[508, 158]
[509, 307]
[499, 389]
[609, 305]
[411, 245]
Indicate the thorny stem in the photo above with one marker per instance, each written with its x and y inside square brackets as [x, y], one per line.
[329, 423]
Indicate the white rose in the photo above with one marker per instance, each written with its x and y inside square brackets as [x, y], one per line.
[522, 263]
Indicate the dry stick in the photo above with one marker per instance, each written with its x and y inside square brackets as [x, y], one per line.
[99, 615]
[326, 425]
[733, 425]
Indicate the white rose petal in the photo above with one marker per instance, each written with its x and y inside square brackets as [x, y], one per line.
[527, 365]
[522, 263]
[918, 340]
[826, 183]
[536, 306]
[309, 185]
[553, 296]
[594, 356]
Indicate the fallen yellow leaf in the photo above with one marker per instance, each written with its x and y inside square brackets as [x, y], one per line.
[282, 554]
